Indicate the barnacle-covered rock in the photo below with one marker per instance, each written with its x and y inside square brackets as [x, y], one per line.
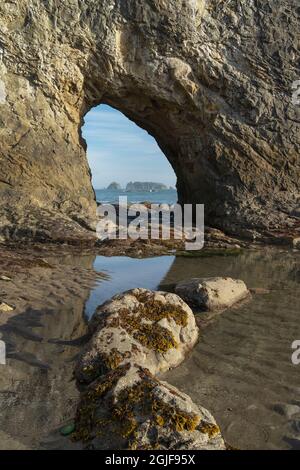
[128, 408]
[154, 330]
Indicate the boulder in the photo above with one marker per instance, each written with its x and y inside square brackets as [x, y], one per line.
[152, 329]
[145, 186]
[212, 293]
[128, 408]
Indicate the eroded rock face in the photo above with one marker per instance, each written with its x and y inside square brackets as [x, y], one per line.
[214, 293]
[212, 84]
[154, 330]
[130, 409]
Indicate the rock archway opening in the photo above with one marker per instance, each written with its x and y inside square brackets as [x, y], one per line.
[125, 159]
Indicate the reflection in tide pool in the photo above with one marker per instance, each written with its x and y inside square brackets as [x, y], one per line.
[126, 273]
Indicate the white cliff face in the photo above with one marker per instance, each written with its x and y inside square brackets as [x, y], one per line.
[211, 84]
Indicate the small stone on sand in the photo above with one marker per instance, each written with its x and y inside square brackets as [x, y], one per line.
[5, 278]
[5, 307]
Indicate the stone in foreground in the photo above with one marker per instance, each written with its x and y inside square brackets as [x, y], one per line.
[154, 330]
[128, 408]
[212, 293]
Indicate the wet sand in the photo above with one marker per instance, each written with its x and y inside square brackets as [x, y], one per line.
[43, 336]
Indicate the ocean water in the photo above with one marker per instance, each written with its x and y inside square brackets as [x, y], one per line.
[168, 196]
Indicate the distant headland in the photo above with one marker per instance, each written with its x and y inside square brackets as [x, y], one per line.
[138, 186]
[114, 187]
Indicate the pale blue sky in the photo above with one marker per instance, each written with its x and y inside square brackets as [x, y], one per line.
[119, 150]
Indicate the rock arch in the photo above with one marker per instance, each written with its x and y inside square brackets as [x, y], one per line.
[210, 80]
